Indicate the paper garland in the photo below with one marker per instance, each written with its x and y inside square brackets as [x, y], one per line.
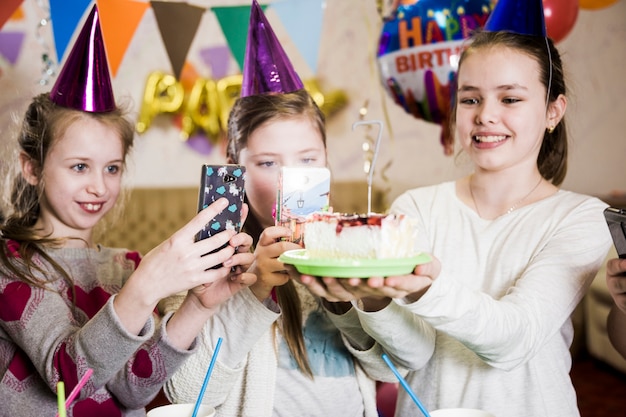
[119, 35]
[120, 19]
[8, 8]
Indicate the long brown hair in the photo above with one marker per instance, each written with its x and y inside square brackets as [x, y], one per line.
[247, 115]
[552, 159]
[44, 123]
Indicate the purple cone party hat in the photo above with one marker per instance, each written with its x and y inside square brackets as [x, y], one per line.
[519, 16]
[84, 82]
[266, 67]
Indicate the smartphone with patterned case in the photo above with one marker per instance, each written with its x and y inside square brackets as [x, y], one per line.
[301, 191]
[217, 181]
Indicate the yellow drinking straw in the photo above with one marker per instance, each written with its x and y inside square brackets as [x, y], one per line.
[61, 398]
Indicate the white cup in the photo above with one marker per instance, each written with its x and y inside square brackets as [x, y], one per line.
[460, 412]
[181, 410]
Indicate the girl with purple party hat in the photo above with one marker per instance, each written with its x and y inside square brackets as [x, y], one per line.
[69, 305]
[281, 355]
[486, 324]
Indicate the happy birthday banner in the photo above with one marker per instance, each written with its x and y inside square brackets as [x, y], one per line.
[177, 24]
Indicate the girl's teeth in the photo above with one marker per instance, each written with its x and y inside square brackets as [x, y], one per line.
[490, 138]
[93, 207]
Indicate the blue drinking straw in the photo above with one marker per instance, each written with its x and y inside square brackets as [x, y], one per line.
[405, 386]
[206, 378]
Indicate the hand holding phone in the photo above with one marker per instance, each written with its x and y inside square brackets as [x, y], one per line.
[616, 220]
[217, 181]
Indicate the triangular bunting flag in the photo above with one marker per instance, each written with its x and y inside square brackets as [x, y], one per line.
[11, 45]
[65, 16]
[302, 20]
[234, 23]
[178, 24]
[119, 20]
[7, 8]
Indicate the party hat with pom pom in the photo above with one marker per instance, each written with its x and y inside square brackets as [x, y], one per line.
[84, 82]
[266, 67]
[518, 16]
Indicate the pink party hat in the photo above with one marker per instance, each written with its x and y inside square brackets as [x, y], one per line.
[518, 16]
[84, 82]
[266, 67]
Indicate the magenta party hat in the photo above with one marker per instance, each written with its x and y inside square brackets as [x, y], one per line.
[518, 16]
[266, 67]
[84, 82]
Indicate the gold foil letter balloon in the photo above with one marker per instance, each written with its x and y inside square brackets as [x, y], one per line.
[202, 110]
[163, 94]
[207, 105]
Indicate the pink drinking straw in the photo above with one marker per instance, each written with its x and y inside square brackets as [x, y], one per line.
[77, 388]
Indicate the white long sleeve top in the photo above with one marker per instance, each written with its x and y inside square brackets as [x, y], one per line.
[496, 323]
[246, 377]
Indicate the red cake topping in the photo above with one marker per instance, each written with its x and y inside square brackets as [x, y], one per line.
[348, 220]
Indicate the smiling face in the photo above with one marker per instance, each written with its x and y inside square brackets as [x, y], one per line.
[81, 179]
[294, 141]
[501, 108]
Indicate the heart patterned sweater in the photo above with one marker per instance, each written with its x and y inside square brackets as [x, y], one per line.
[49, 335]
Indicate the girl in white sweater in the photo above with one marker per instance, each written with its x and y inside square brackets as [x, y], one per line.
[513, 253]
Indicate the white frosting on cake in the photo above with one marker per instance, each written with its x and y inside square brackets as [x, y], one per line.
[377, 236]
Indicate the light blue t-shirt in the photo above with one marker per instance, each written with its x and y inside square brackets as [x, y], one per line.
[334, 390]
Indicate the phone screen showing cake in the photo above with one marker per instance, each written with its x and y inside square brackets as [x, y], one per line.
[301, 191]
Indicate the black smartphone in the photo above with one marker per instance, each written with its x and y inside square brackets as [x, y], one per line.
[616, 220]
[217, 181]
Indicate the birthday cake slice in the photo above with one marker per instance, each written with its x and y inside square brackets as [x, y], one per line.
[353, 236]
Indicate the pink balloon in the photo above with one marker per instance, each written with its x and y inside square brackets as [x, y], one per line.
[560, 17]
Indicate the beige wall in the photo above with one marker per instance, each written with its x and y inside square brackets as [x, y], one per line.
[594, 54]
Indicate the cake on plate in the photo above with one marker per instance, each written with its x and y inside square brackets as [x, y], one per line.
[352, 236]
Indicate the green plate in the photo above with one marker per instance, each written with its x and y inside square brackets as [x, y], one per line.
[351, 268]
